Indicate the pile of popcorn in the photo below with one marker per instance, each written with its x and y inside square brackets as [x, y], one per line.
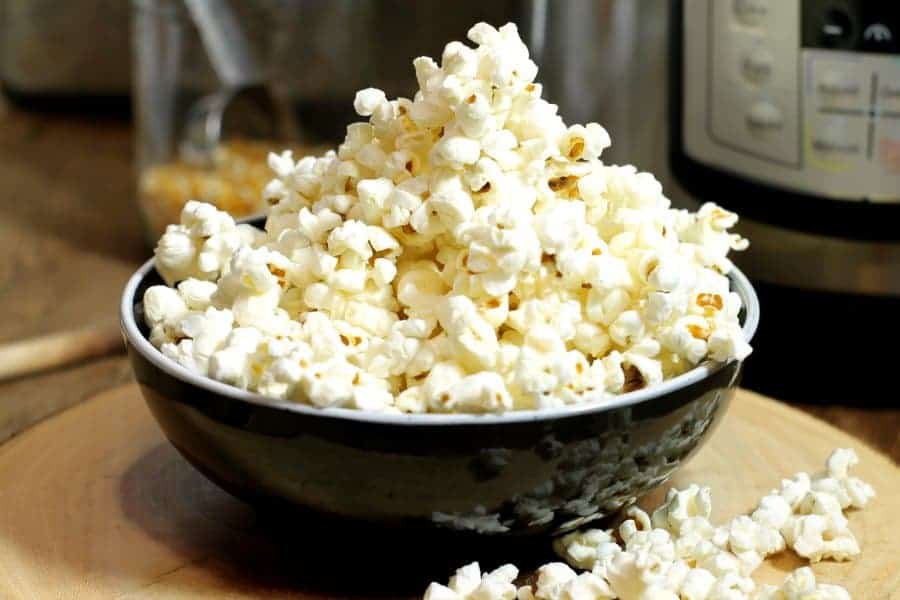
[463, 251]
[677, 554]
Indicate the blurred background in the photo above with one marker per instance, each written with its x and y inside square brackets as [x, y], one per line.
[115, 113]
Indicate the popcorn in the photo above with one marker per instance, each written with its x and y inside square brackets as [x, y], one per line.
[773, 511]
[849, 491]
[464, 250]
[585, 549]
[693, 563]
[584, 142]
[197, 294]
[481, 392]
[473, 340]
[820, 536]
[470, 584]
[556, 581]
[680, 506]
[367, 101]
[163, 305]
[752, 542]
[801, 585]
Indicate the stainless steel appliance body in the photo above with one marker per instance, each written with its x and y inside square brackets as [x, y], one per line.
[789, 113]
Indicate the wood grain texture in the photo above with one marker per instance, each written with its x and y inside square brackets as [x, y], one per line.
[63, 348]
[69, 239]
[95, 504]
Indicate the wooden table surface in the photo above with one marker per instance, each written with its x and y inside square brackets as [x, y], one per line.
[70, 236]
[104, 508]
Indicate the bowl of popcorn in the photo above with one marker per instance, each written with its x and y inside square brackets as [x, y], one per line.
[461, 318]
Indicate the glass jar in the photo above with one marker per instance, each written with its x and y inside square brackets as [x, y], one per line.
[172, 72]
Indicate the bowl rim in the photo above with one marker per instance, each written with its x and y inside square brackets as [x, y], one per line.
[142, 345]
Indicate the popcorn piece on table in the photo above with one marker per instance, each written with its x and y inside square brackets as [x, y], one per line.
[801, 585]
[470, 583]
[678, 554]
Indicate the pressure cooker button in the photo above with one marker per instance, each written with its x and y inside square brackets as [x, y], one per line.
[879, 37]
[836, 30]
[889, 98]
[751, 12]
[838, 136]
[757, 66]
[836, 83]
[764, 116]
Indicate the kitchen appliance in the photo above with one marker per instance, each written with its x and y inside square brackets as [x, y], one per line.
[789, 113]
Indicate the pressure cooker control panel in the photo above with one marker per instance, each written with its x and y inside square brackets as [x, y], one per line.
[799, 94]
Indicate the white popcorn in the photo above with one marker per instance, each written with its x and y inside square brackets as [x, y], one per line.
[773, 511]
[649, 564]
[383, 272]
[163, 305]
[817, 537]
[726, 343]
[367, 101]
[455, 152]
[200, 246]
[584, 142]
[481, 392]
[183, 354]
[536, 275]
[208, 328]
[801, 585]
[697, 585]
[849, 491]
[197, 294]
[731, 586]
[556, 581]
[230, 365]
[752, 542]
[584, 549]
[470, 584]
[472, 338]
[680, 506]
[795, 490]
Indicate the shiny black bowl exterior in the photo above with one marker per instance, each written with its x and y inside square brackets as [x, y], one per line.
[530, 472]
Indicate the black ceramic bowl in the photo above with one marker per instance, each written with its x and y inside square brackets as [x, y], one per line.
[523, 472]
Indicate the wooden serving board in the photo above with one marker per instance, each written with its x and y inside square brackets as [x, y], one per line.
[94, 503]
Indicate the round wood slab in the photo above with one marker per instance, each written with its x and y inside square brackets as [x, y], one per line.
[95, 503]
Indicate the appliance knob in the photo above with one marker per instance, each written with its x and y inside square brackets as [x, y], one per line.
[757, 65]
[764, 116]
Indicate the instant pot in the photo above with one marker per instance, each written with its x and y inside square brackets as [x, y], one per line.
[788, 112]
